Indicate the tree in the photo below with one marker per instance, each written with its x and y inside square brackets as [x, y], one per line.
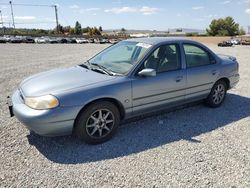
[223, 27]
[72, 31]
[96, 31]
[93, 31]
[85, 30]
[59, 29]
[100, 28]
[66, 29]
[78, 28]
[123, 30]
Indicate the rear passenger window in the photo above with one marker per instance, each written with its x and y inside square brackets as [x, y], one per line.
[196, 56]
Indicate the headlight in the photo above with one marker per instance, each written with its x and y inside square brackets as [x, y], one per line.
[42, 103]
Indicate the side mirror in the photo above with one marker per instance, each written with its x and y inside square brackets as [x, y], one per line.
[147, 72]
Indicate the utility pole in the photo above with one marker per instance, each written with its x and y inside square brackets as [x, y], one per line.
[1, 18]
[57, 24]
[13, 21]
[2, 21]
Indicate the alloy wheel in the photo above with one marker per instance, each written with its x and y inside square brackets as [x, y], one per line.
[100, 123]
[218, 94]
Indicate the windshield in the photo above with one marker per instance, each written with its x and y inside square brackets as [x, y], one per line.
[121, 57]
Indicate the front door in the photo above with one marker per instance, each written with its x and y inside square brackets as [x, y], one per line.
[168, 86]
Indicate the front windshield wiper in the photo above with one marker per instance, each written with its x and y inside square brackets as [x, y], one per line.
[85, 65]
[99, 68]
[103, 69]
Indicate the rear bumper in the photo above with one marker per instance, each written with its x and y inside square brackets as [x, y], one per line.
[53, 122]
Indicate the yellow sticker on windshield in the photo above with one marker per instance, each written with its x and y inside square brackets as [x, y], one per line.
[144, 45]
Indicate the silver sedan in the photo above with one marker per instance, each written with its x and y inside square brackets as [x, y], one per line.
[128, 79]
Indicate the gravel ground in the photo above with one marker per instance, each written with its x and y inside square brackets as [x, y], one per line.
[190, 147]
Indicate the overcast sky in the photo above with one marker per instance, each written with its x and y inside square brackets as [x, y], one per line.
[130, 14]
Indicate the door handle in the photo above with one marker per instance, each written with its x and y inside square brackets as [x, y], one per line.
[178, 78]
[214, 72]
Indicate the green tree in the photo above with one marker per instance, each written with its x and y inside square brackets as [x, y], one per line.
[78, 28]
[60, 28]
[85, 30]
[223, 27]
[100, 28]
[96, 31]
[90, 31]
[123, 30]
[66, 29]
[72, 31]
[93, 31]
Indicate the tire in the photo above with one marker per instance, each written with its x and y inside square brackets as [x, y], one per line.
[97, 123]
[217, 94]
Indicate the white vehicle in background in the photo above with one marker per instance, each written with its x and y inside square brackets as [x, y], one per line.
[235, 41]
[42, 40]
[7, 38]
[113, 41]
[81, 40]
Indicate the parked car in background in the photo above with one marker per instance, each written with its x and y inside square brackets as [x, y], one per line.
[103, 41]
[91, 40]
[113, 41]
[16, 39]
[225, 44]
[97, 41]
[28, 39]
[71, 40]
[42, 40]
[81, 40]
[62, 40]
[245, 42]
[128, 79]
[235, 41]
[53, 40]
[7, 38]
[2, 40]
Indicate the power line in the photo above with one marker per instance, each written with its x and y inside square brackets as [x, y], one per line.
[32, 5]
[34, 23]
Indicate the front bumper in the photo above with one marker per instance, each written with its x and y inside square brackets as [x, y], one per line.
[53, 122]
[234, 80]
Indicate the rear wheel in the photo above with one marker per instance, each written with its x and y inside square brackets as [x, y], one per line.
[217, 94]
[97, 123]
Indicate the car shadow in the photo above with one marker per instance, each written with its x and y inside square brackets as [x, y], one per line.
[147, 133]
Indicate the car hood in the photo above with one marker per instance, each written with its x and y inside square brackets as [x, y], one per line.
[226, 57]
[60, 80]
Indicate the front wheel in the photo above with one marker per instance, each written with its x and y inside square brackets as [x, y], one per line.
[97, 123]
[217, 94]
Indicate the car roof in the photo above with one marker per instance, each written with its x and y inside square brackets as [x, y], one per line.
[157, 40]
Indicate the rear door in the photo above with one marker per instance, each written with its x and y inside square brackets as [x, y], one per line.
[202, 71]
[168, 86]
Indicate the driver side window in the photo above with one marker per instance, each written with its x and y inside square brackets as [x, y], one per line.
[165, 58]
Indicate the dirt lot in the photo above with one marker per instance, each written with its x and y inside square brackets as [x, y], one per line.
[191, 147]
[209, 40]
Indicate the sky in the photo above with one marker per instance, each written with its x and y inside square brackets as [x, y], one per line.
[129, 14]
